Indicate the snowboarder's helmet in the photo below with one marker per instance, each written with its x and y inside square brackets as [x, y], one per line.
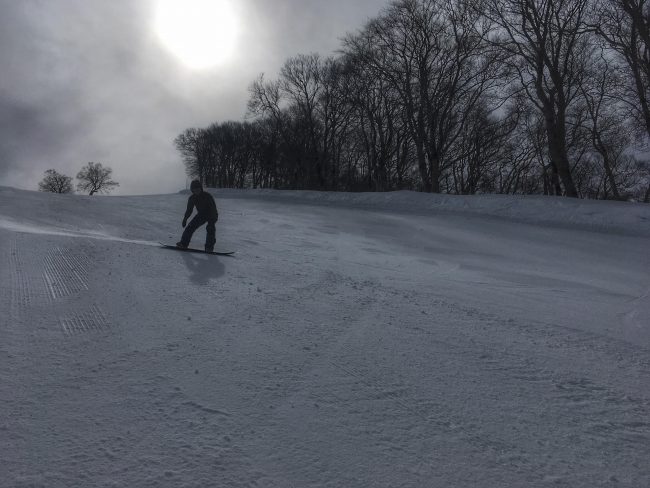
[196, 184]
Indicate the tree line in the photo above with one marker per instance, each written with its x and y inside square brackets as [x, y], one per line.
[456, 96]
[93, 178]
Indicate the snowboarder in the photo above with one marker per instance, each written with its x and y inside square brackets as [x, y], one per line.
[206, 210]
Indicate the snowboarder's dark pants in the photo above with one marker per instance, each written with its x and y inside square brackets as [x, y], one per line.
[194, 224]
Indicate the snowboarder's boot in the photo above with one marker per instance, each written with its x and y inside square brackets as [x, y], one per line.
[209, 248]
[180, 245]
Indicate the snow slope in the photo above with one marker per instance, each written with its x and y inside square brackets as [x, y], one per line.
[355, 340]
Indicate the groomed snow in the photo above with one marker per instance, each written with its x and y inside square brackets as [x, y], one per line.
[354, 340]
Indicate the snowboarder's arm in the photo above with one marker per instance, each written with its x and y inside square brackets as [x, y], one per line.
[190, 207]
[214, 214]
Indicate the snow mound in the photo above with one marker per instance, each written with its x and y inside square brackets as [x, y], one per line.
[625, 217]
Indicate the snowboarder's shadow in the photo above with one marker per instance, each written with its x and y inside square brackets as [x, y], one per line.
[203, 268]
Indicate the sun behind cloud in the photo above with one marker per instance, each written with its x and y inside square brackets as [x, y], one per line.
[200, 33]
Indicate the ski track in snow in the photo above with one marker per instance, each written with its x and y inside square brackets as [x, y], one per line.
[12, 226]
[340, 347]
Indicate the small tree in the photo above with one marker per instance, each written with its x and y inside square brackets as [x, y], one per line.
[55, 182]
[94, 178]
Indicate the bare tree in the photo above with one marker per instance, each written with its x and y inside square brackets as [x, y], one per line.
[303, 85]
[94, 178]
[547, 43]
[625, 26]
[644, 181]
[479, 149]
[432, 54]
[604, 122]
[335, 115]
[307, 110]
[194, 146]
[378, 126]
[268, 102]
[55, 182]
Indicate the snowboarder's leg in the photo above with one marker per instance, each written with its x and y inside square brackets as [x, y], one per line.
[191, 227]
[210, 238]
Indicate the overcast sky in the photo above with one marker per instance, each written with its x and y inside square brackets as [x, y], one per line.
[90, 80]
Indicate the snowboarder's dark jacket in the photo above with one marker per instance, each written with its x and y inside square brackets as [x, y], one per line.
[205, 206]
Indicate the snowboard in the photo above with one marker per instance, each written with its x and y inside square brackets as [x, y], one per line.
[200, 251]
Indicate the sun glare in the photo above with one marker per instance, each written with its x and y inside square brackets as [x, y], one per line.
[201, 33]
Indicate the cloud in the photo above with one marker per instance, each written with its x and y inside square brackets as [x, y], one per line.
[87, 80]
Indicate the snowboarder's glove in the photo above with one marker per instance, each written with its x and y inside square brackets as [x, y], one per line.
[184, 223]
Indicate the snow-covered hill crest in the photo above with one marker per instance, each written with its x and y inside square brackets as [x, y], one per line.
[608, 216]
